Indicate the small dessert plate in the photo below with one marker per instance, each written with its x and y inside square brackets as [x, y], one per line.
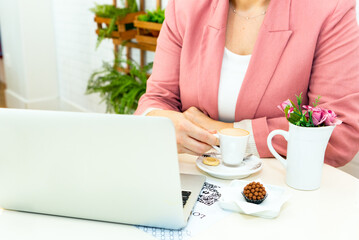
[233, 200]
[250, 165]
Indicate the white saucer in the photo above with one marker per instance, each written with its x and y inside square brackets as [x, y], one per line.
[249, 166]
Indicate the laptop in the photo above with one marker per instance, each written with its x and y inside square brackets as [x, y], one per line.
[106, 167]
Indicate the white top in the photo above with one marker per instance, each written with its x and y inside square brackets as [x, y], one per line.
[234, 68]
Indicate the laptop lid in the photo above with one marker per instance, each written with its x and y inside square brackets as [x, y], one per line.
[116, 168]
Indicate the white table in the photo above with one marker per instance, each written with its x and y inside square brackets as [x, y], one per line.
[332, 212]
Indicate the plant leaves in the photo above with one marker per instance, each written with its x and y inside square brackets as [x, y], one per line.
[157, 16]
[119, 90]
[110, 11]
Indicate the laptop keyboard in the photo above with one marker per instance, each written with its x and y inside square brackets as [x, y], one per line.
[185, 196]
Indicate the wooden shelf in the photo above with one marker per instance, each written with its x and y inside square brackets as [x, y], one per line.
[121, 24]
[147, 25]
[131, 44]
[147, 32]
[122, 36]
[141, 46]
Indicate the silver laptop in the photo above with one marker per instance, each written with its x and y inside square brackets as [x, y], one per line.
[115, 168]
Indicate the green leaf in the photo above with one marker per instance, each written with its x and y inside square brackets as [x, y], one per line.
[157, 16]
[316, 101]
[143, 17]
[118, 90]
[293, 105]
[299, 99]
[110, 11]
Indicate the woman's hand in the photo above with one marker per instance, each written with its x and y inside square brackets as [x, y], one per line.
[200, 119]
[191, 138]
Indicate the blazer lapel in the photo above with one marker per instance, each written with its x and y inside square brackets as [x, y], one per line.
[210, 58]
[272, 39]
[271, 42]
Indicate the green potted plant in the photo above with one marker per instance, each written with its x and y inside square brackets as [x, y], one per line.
[120, 90]
[157, 16]
[149, 25]
[113, 22]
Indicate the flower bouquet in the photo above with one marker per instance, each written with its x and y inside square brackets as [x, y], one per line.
[308, 116]
[310, 128]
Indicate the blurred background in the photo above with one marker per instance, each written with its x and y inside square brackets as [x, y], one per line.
[48, 54]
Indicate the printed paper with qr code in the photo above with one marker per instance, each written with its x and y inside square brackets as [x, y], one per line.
[205, 213]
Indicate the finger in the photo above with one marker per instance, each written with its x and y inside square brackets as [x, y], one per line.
[188, 115]
[196, 146]
[194, 110]
[212, 131]
[194, 115]
[194, 138]
[202, 135]
[182, 149]
[186, 141]
[197, 123]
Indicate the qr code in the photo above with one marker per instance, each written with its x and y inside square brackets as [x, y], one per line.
[209, 194]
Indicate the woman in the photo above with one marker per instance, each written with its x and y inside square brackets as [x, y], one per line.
[223, 63]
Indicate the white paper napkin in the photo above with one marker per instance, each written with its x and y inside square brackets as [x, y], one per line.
[233, 200]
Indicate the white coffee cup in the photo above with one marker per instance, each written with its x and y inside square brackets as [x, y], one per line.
[233, 144]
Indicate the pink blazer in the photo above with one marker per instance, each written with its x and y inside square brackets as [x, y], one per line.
[303, 46]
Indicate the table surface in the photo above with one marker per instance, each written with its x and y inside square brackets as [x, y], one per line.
[331, 212]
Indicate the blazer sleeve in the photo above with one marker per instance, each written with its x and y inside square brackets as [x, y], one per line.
[335, 77]
[162, 87]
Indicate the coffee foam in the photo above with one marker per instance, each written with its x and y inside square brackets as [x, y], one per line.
[236, 132]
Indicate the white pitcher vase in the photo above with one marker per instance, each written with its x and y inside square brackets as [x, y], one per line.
[305, 154]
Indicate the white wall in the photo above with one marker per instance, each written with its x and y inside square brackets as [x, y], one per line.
[76, 54]
[28, 43]
[49, 53]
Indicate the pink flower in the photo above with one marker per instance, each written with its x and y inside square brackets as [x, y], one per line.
[307, 107]
[318, 115]
[290, 110]
[284, 104]
[306, 110]
[331, 118]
